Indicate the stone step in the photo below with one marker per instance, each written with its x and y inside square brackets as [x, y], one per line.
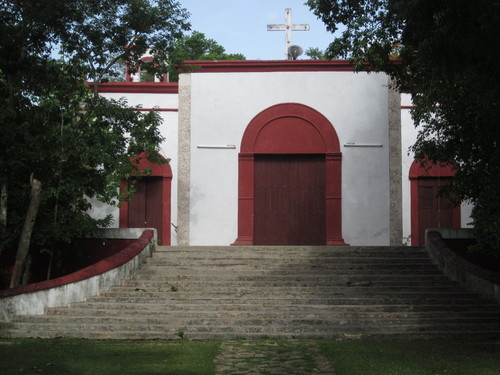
[218, 289]
[334, 263]
[290, 250]
[316, 258]
[247, 292]
[327, 314]
[259, 301]
[346, 334]
[383, 263]
[256, 270]
[163, 322]
[169, 274]
[284, 293]
[479, 307]
[330, 252]
[329, 282]
[172, 276]
[267, 328]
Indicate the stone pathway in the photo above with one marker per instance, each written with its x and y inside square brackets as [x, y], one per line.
[290, 357]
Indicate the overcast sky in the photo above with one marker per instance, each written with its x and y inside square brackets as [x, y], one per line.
[240, 26]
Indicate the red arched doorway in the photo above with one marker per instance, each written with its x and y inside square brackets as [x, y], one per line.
[428, 208]
[150, 206]
[286, 150]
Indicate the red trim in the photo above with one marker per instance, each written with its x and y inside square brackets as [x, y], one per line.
[158, 109]
[139, 87]
[268, 66]
[417, 172]
[98, 268]
[313, 134]
[430, 170]
[157, 170]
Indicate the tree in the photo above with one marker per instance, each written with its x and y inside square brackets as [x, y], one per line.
[316, 54]
[196, 47]
[56, 130]
[447, 60]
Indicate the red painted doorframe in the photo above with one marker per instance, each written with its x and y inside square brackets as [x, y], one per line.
[270, 133]
[418, 172]
[165, 172]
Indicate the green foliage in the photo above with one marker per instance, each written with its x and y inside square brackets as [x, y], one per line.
[54, 126]
[196, 47]
[316, 54]
[447, 60]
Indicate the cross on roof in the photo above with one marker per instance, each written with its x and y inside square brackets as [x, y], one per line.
[288, 27]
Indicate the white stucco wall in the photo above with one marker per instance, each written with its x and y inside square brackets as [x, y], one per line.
[222, 105]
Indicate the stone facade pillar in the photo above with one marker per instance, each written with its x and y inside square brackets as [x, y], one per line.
[395, 166]
[184, 169]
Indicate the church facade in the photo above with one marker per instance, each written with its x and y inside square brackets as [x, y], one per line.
[302, 152]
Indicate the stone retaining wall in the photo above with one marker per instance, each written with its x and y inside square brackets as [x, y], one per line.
[33, 299]
[467, 274]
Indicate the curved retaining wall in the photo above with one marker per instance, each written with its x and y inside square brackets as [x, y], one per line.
[469, 275]
[33, 299]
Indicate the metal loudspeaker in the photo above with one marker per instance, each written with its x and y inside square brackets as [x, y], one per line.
[294, 52]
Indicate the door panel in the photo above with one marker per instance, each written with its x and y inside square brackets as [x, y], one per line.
[289, 200]
[137, 205]
[434, 211]
[145, 207]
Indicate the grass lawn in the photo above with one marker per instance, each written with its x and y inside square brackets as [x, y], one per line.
[82, 357]
[185, 357]
[417, 357]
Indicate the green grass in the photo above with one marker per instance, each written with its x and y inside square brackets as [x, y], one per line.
[81, 357]
[186, 357]
[417, 357]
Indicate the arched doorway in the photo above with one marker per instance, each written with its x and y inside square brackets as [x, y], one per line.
[429, 209]
[150, 206]
[290, 179]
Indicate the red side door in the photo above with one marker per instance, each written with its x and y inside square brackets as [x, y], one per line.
[434, 211]
[145, 207]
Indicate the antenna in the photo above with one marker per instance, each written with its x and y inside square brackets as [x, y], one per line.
[294, 52]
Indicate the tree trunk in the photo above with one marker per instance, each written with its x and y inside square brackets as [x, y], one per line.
[24, 241]
[3, 212]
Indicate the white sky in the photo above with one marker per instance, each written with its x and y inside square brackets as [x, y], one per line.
[240, 26]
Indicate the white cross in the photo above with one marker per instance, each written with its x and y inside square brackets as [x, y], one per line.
[288, 27]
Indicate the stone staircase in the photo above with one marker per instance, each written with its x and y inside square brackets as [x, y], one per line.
[285, 292]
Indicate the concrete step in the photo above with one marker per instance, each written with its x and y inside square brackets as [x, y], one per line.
[479, 307]
[290, 250]
[259, 302]
[296, 295]
[328, 282]
[321, 263]
[470, 334]
[184, 273]
[237, 270]
[331, 313]
[154, 323]
[171, 276]
[319, 290]
[253, 292]
[268, 327]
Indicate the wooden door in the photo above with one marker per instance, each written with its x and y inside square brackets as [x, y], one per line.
[145, 207]
[289, 205]
[434, 211]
